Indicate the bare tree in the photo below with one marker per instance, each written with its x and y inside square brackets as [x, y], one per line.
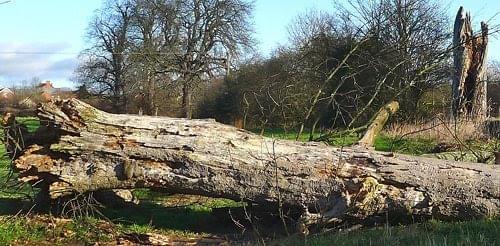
[414, 32]
[210, 33]
[343, 67]
[146, 42]
[141, 46]
[105, 65]
[493, 77]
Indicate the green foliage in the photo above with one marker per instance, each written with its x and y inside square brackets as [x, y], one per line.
[481, 232]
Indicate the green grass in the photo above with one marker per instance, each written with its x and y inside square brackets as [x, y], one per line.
[281, 134]
[7, 189]
[481, 232]
[171, 213]
[18, 229]
[31, 123]
[291, 135]
[411, 146]
[43, 229]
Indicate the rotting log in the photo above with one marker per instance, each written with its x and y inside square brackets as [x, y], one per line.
[96, 150]
[469, 81]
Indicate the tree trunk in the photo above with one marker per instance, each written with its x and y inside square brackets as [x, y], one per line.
[93, 150]
[186, 101]
[469, 81]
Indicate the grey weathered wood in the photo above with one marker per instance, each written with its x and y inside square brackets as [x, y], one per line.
[469, 81]
[97, 150]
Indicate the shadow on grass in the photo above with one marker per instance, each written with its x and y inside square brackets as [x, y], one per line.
[176, 218]
[203, 218]
[13, 206]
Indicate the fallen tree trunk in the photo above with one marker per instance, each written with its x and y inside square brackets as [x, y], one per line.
[95, 150]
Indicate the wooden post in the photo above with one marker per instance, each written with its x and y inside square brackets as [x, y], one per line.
[469, 81]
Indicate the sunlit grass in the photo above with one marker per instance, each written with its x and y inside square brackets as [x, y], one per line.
[414, 146]
[7, 179]
[480, 232]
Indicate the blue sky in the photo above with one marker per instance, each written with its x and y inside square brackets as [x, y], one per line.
[57, 28]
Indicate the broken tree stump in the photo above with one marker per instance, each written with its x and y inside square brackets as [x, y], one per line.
[377, 124]
[469, 82]
[96, 150]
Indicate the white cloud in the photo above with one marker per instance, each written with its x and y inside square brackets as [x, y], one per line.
[47, 61]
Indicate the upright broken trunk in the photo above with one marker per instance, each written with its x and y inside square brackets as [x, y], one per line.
[378, 123]
[469, 82]
[95, 150]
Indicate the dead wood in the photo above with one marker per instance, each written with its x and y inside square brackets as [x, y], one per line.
[95, 150]
[469, 82]
[378, 124]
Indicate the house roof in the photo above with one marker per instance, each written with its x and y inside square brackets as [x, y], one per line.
[6, 91]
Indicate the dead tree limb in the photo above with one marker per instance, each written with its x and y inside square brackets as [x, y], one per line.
[371, 129]
[469, 82]
[97, 150]
[378, 124]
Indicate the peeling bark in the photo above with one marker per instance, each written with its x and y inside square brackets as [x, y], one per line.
[95, 150]
[469, 81]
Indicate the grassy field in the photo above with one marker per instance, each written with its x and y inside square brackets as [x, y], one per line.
[190, 219]
[484, 232]
[413, 146]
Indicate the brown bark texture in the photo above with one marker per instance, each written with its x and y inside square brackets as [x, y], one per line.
[469, 81]
[83, 149]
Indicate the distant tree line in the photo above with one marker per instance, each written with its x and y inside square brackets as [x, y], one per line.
[195, 59]
[341, 67]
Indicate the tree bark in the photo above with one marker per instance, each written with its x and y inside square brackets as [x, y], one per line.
[469, 81]
[186, 101]
[94, 150]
